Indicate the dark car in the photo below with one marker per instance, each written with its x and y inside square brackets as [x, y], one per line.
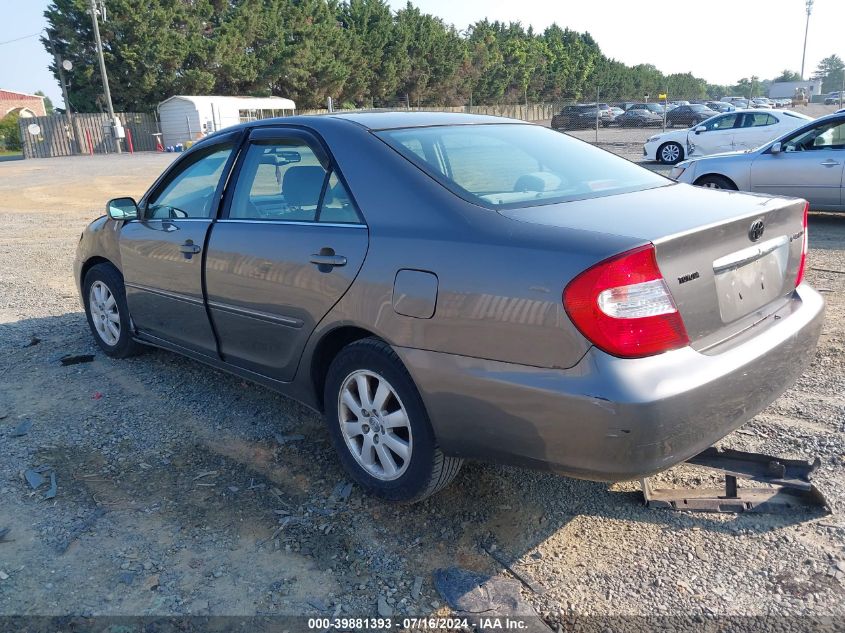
[640, 117]
[446, 287]
[581, 116]
[688, 115]
[720, 106]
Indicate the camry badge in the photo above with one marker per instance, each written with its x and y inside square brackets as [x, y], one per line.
[755, 231]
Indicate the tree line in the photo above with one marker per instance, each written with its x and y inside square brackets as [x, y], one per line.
[359, 52]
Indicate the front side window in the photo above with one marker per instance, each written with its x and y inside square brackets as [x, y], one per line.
[828, 135]
[285, 181]
[721, 123]
[758, 119]
[517, 165]
[190, 192]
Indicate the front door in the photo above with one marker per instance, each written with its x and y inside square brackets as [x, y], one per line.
[717, 136]
[810, 165]
[162, 253]
[288, 247]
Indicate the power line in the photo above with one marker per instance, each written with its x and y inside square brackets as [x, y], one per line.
[18, 39]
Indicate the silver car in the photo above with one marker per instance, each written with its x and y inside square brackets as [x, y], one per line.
[446, 287]
[806, 163]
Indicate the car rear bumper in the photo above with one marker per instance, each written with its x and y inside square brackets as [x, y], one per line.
[613, 419]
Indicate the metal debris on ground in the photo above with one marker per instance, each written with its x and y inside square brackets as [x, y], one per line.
[33, 341]
[76, 359]
[37, 477]
[22, 429]
[471, 594]
[522, 576]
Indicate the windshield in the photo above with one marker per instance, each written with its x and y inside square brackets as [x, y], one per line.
[502, 166]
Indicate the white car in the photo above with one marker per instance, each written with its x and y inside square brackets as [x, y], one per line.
[728, 132]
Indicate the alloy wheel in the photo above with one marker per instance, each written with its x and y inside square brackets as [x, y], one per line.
[670, 153]
[104, 314]
[375, 425]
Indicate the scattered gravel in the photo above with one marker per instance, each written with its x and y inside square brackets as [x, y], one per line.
[183, 490]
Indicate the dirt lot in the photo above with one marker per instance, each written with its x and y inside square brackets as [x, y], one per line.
[183, 490]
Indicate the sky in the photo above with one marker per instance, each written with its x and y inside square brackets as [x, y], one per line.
[720, 41]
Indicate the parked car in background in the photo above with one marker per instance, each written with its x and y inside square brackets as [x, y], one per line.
[740, 130]
[689, 115]
[805, 163]
[581, 116]
[640, 117]
[616, 111]
[533, 303]
[761, 103]
[834, 98]
[720, 106]
[740, 103]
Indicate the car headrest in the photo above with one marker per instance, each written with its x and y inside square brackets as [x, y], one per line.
[302, 184]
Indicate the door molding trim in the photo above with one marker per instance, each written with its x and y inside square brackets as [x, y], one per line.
[259, 315]
[165, 293]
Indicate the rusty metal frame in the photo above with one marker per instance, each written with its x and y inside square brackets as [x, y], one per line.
[790, 488]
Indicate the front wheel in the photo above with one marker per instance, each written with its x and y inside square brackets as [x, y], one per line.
[107, 312]
[379, 425]
[670, 153]
[716, 182]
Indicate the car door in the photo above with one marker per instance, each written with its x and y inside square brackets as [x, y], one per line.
[288, 247]
[754, 129]
[717, 136]
[162, 252]
[810, 165]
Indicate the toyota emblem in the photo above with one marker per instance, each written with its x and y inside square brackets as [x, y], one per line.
[755, 231]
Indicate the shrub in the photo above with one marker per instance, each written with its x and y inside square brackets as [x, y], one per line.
[10, 136]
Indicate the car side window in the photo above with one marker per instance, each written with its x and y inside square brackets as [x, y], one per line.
[190, 192]
[721, 123]
[758, 119]
[285, 181]
[828, 135]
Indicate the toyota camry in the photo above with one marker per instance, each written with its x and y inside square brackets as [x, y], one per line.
[444, 287]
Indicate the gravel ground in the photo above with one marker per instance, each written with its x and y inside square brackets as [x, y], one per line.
[183, 490]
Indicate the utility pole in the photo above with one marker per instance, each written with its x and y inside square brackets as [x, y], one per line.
[806, 31]
[106, 90]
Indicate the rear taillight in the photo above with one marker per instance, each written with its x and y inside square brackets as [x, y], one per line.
[624, 307]
[803, 263]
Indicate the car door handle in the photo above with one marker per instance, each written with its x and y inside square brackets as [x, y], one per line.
[830, 163]
[189, 248]
[328, 260]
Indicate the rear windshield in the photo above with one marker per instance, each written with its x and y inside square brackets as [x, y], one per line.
[503, 166]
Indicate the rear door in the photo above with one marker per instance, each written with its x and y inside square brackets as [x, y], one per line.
[288, 247]
[810, 166]
[754, 129]
[718, 135]
[162, 253]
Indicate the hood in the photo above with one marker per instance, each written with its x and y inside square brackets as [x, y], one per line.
[674, 135]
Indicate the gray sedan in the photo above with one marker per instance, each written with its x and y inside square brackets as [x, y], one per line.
[446, 287]
[807, 163]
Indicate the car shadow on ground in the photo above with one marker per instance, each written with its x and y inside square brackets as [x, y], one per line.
[203, 448]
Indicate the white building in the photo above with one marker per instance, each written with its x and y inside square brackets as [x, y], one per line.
[786, 89]
[189, 118]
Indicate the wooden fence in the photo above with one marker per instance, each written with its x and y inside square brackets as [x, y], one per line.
[63, 135]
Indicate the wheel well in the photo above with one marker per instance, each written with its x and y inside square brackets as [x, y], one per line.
[720, 176]
[325, 352]
[89, 264]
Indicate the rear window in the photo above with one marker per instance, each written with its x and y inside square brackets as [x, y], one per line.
[502, 166]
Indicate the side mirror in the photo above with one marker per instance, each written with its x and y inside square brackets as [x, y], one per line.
[699, 129]
[122, 209]
[777, 148]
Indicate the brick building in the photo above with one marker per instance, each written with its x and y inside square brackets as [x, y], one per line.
[26, 105]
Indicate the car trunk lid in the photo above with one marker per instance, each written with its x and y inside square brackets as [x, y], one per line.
[729, 259]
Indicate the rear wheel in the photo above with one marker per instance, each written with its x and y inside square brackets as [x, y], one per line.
[379, 425]
[670, 153]
[714, 181]
[107, 312]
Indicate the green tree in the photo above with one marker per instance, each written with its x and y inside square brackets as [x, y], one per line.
[48, 104]
[831, 71]
[787, 75]
[10, 136]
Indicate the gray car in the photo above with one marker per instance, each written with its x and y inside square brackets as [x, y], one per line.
[808, 162]
[446, 287]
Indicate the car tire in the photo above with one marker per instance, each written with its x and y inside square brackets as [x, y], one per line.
[104, 298]
[670, 153]
[359, 424]
[714, 181]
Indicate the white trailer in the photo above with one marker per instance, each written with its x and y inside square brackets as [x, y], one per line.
[191, 117]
